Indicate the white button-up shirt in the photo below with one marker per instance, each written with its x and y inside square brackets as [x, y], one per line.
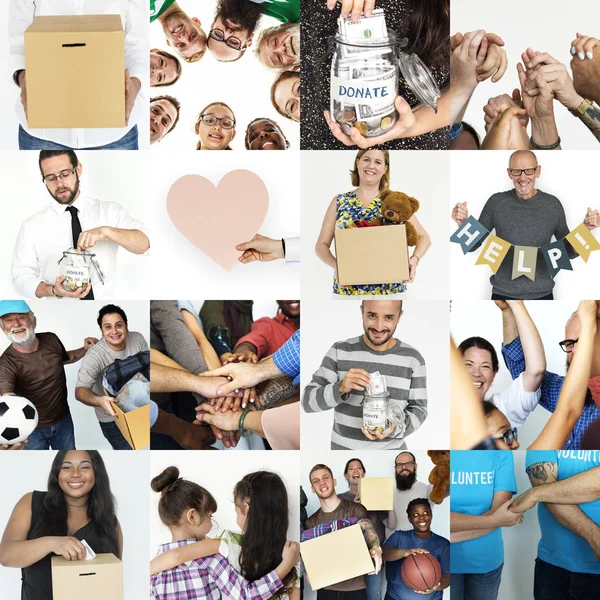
[47, 234]
[134, 16]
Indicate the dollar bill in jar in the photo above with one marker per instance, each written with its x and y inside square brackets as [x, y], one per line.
[76, 271]
[375, 419]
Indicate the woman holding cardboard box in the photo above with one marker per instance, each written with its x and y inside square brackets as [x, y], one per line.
[371, 176]
[77, 506]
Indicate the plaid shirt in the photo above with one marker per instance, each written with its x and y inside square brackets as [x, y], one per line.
[324, 528]
[208, 578]
[287, 358]
[551, 386]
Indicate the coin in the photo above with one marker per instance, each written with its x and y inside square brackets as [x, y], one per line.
[349, 115]
[385, 122]
[339, 116]
[362, 127]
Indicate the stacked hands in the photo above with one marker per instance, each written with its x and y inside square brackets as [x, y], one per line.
[478, 55]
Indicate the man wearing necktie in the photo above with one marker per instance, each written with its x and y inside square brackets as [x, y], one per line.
[74, 220]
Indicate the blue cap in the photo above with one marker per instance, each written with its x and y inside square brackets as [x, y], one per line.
[13, 306]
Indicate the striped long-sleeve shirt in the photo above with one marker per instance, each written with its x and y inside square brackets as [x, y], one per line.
[404, 371]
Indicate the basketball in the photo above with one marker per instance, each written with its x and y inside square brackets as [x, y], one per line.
[421, 572]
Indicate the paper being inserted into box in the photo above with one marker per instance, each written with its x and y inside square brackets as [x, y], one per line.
[89, 553]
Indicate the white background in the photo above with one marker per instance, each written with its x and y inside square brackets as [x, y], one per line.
[377, 464]
[484, 319]
[570, 176]
[10, 94]
[181, 270]
[424, 326]
[23, 472]
[422, 175]
[218, 473]
[72, 323]
[547, 26]
[120, 177]
[244, 85]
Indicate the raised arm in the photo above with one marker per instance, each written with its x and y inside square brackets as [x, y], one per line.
[208, 352]
[510, 331]
[323, 245]
[574, 390]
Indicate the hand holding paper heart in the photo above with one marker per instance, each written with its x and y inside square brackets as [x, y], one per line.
[592, 219]
[217, 219]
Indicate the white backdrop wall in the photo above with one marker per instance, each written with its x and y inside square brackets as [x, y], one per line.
[549, 28]
[218, 473]
[478, 175]
[422, 175]
[182, 270]
[424, 325]
[23, 472]
[377, 464]
[484, 319]
[110, 176]
[72, 323]
[244, 85]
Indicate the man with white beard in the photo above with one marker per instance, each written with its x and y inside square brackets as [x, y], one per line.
[279, 47]
[33, 367]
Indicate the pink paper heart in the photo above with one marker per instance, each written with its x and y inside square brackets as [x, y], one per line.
[217, 219]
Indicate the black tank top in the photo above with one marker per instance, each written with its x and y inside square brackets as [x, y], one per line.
[37, 578]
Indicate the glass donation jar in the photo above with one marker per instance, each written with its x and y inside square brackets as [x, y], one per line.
[76, 266]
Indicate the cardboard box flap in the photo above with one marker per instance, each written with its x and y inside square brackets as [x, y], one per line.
[371, 255]
[134, 425]
[336, 557]
[75, 23]
[85, 565]
[376, 493]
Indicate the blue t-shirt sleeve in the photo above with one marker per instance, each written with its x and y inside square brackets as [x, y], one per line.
[504, 480]
[394, 540]
[445, 558]
[536, 456]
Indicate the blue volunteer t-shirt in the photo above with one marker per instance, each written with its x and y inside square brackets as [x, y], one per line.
[559, 546]
[475, 476]
[438, 547]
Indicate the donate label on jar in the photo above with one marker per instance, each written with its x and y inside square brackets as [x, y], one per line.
[379, 93]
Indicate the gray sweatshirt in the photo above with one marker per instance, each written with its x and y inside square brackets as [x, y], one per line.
[532, 222]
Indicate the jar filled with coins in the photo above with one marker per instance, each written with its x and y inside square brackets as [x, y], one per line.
[375, 417]
[76, 266]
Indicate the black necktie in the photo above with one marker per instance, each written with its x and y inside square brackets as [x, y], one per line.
[76, 230]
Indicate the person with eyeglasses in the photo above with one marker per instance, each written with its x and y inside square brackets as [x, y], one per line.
[232, 30]
[73, 220]
[184, 34]
[552, 383]
[525, 216]
[215, 127]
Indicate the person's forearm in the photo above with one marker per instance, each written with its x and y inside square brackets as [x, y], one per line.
[246, 347]
[167, 379]
[428, 120]
[75, 355]
[267, 369]
[469, 534]
[462, 522]
[86, 396]
[392, 520]
[444, 582]
[253, 423]
[133, 240]
[274, 391]
[21, 554]
[208, 352]
[544, 131]
[325, 254]
[510, 331]
[391, 554]
[369, 534]
[578, 489]
[460, 101]
[422, 246]
[44, 290]
[591, 119]
[533, 348]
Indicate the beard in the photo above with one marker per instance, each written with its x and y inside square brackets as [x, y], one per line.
[21, 341]
[380, 342]
[245, 14]
[286, 311]
[72, 193]
[292, 43]
[405, 482]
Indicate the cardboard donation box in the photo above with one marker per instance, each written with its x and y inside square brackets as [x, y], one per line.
[75, 71]
[371, 255]
[336, 557]
[376, 493]
[134, 425]
[98, 579]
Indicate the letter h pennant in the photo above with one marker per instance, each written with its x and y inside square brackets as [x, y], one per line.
[469, 234]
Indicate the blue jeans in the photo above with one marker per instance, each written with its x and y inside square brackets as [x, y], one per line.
[58, 437]
[475, 586]
[500, 297]
[374, 585]
[554, 583]
[27, 142]
[114, 436]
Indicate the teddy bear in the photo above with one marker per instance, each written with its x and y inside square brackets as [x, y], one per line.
[398, 208]
[440, 474]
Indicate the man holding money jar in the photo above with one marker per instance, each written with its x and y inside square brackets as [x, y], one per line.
[375, 383]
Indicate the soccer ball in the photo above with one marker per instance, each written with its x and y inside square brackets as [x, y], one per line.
[18, 418]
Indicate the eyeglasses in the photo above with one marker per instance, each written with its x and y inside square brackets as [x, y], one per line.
[568, 345]
[210, 120]
[62, 175]
[231, 41]
[406, 464]
[517, 172]
[509, 436]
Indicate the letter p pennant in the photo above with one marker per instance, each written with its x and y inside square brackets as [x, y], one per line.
[469, 234]
[556, 257]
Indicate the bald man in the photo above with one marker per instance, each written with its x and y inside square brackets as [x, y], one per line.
[524, 216]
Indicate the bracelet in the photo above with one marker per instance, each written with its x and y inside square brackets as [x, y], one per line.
[16, 75]
[551, 147]
[417, 257]
[241, 424]
[283, 244]
[55, 294]
[581, 109]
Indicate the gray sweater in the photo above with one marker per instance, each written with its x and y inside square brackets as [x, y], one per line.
[532, 222]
